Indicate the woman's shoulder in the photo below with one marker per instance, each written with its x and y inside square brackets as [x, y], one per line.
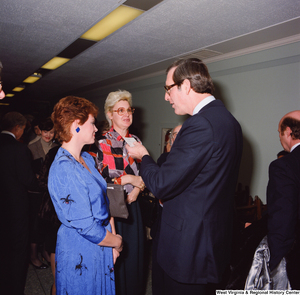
[63, 161]
[62, 171]
[38, 137]
[36, 149]
[106, 141]
[106, 136]
[35, 144]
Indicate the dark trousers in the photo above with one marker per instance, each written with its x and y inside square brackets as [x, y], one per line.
[36, 226]
[14, 253]
[162, 284]
[168, 286]
[157, 271]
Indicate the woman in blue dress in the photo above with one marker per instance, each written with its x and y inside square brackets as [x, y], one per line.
[87, 243]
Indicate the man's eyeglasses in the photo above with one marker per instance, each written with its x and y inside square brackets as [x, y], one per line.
[122, 111]
[168, 87]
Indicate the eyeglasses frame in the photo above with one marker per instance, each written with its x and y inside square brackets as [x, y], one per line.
[128, 112]
[168, 87]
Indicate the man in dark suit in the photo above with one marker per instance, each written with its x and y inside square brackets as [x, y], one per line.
[197, 183]
[16, 176]
[283, 199]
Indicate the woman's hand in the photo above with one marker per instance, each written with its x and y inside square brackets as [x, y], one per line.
[136, 181]
[119, 248]
[132, 196]
[112, 240]
[116, 254]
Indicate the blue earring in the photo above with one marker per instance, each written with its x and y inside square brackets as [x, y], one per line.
[77, 129]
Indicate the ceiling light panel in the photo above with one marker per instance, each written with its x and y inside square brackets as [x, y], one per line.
[55, 63]
[18, 89]
[112, 22]
[31, 79]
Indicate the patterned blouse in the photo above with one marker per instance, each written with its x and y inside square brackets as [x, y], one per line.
[113, 160]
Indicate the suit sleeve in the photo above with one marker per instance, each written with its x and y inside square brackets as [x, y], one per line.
[191, 151]
[282, 200]
[25, 172]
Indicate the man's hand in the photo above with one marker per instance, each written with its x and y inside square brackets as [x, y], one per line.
[138, 151]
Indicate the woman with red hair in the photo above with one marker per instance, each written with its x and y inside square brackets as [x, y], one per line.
[87, 244]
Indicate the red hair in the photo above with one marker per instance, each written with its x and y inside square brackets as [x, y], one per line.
[69, 109]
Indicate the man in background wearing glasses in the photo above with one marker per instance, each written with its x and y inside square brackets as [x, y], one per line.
[196, 183]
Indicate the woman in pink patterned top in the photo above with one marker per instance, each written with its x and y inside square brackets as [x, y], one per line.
[116, 166]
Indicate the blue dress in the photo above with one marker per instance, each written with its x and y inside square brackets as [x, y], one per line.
[81, 204]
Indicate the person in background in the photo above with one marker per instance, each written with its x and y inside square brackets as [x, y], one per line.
[196, 183]
[39, 150]
[171, 138]
[167, 137]
[47, 213]
[41, 147]
[28, 134]
[87, 244]
[117, 167]
[157, 272]
[35, 130]
[16, 177]
[2, 94]
[283, 199]
[282, 154]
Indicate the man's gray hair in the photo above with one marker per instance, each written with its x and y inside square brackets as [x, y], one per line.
[12, 119]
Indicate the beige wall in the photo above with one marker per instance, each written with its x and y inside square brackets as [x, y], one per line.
[258, 88]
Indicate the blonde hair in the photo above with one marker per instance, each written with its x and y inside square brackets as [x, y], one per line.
[113, 98]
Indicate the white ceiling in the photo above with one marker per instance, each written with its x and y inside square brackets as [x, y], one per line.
[33, 31]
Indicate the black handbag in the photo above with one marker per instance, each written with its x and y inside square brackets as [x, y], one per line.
[117, 204]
